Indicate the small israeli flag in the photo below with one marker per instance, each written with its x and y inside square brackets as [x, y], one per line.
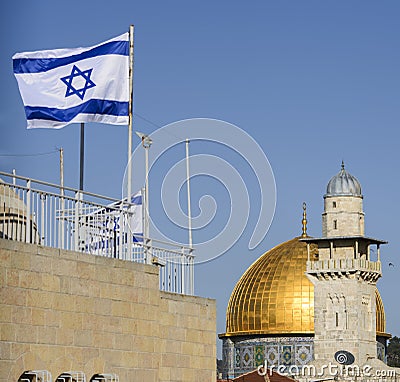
[136, 221]
[64, 86]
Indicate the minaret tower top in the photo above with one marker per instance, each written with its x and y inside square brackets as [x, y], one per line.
[343, 210]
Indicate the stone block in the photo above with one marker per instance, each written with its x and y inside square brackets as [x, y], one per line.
[121, 309]
[64, 337]
[63, 302]
[38, 298]
[50, 283]
[13, 296]
[129, 326]
[12, 277]
[22, 314]
[21, 260]
[46, 335]
[3, 277]
[80, 287]
[5, 367]
[83, 338]
[5, 350]
[71, 320]
[26, 333]
[84, 304]
[85, 271]
[40, 264]
[102, 306]
[144, 344]
[104, 340]
[124, 342]
[63, 267]
[5, 255]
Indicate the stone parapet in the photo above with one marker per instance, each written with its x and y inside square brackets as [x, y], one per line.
[63, 310]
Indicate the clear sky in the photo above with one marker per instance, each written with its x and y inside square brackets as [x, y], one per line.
[313, 82]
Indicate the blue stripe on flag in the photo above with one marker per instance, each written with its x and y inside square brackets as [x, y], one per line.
[37, 65]
[136, 200]
[93, 106]
[137, 237]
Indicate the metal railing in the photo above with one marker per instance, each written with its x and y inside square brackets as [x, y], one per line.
[38, 212]
[344, 265]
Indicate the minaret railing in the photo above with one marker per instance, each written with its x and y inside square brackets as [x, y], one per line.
[360, 264]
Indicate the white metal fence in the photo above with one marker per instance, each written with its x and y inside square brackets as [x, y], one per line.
[38, 212]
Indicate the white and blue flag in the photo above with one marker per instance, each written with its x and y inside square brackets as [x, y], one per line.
[64, 86]
[106, 228]
[136, 221]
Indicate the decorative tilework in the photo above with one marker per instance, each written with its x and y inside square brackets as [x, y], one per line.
[237, 358]
[303, 354]
[286, 355]
[248, 353]
[247, 357]
[272, 355]
[258, 355]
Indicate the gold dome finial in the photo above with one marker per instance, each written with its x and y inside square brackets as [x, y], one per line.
[304, 221]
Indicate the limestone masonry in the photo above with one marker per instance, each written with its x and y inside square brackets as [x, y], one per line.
[63, 310]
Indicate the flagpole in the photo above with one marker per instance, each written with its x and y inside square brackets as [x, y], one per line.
[188, 195]
[130, 129]
[82, 156]
[130, 126]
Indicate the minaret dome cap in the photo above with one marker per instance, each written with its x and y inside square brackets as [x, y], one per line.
[343, 184]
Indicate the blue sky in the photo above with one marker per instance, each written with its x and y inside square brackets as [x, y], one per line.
[313, 82]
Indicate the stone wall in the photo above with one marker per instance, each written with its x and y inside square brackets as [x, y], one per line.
[344, 318]
[343, 216]
[62, 310]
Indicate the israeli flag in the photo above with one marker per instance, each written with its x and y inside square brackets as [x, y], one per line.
[64, 86]
[136, 220]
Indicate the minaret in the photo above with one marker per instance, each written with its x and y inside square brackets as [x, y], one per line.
[343, 212]
[344, 276]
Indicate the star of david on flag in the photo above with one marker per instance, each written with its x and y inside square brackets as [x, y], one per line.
[64, 86]
[76, 72]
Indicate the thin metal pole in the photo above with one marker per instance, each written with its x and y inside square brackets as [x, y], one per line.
[188, 194]
[29, 222]
[130, 126]
[82, 156]
[147, 234]
[78, 196]
[62, 171]
[188, 259]
[62, 198]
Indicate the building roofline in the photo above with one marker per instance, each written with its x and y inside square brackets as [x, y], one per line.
[333, 238]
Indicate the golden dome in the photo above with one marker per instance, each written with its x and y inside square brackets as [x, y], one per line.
[380, 316]
[274, 296]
